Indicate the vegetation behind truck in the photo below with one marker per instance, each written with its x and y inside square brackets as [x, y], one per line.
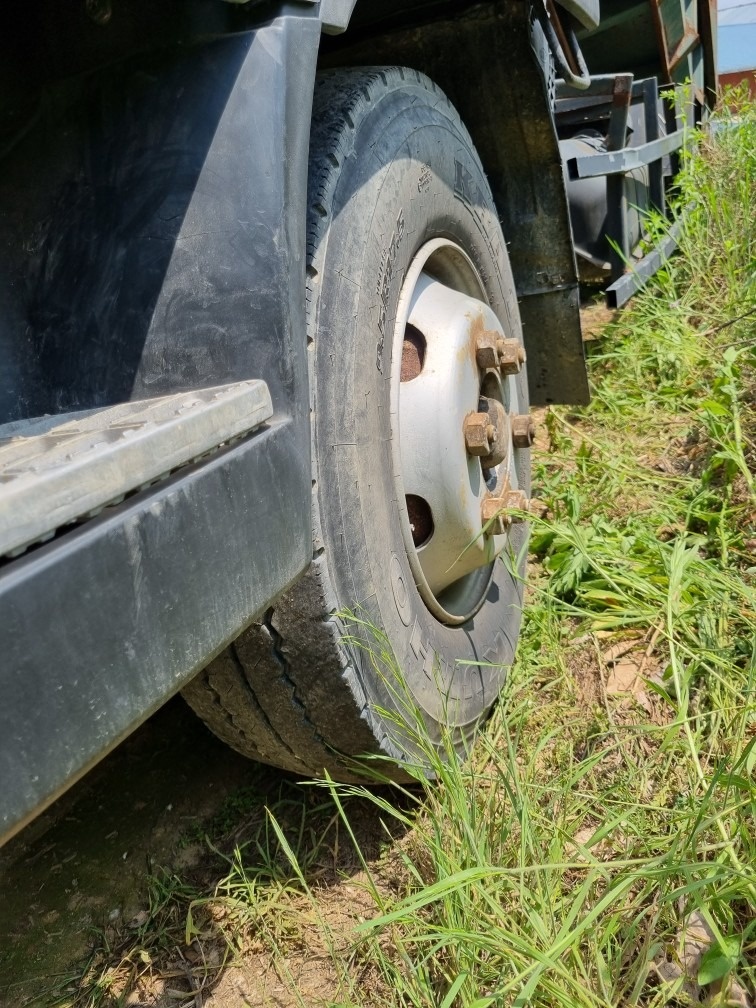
[270, 276]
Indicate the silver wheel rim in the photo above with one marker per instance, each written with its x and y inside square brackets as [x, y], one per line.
[436, 385]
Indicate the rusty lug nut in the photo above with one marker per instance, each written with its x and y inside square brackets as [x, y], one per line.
[476, 433]
[486, 357]
[523, 430]
[486, 353]
[495, 521]
[515, 500]
[498, 511]
[511, 356]
[491, 507]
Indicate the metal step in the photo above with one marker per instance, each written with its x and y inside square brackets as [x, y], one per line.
[58, 469]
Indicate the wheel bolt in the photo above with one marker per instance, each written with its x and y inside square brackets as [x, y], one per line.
[523, 430]
[477, 426]
[486, 433]
[496, 512]
[495, 520]
[486, 354]
[492, 350]
[511, 356]
[493, 507]
[516, 501]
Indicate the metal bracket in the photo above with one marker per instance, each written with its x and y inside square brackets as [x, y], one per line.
[610, 97]
[629, 283]
[626, 160]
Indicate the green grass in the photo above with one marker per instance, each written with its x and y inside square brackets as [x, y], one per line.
[561, 865]
[600, 821]
[564, 860]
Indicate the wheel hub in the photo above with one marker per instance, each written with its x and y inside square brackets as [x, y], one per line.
[456, 410]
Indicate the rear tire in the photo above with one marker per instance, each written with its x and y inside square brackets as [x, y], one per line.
[400, 211]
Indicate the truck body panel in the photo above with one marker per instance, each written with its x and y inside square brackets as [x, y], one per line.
[158, 247]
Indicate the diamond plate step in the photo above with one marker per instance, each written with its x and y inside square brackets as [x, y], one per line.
[57, 469]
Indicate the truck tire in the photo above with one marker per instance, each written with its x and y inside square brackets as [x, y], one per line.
[408, 617]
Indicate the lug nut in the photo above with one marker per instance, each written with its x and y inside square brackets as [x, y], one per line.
[495, 520]
[498, 436]
[486, 353]
[511, 356]
[496, 512]
[492, 507]
[515, 500]
[492, 350]
[476, 430]
[486, 433]
[523, 430]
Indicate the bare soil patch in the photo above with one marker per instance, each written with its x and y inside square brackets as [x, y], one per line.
[82, 865]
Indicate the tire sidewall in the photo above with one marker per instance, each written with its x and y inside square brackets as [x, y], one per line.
[410, 176]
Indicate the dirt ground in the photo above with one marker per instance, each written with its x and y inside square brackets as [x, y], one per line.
[82, 865]
[77, 876]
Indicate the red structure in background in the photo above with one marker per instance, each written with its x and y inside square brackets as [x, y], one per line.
[736, 77]
[736, 43]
